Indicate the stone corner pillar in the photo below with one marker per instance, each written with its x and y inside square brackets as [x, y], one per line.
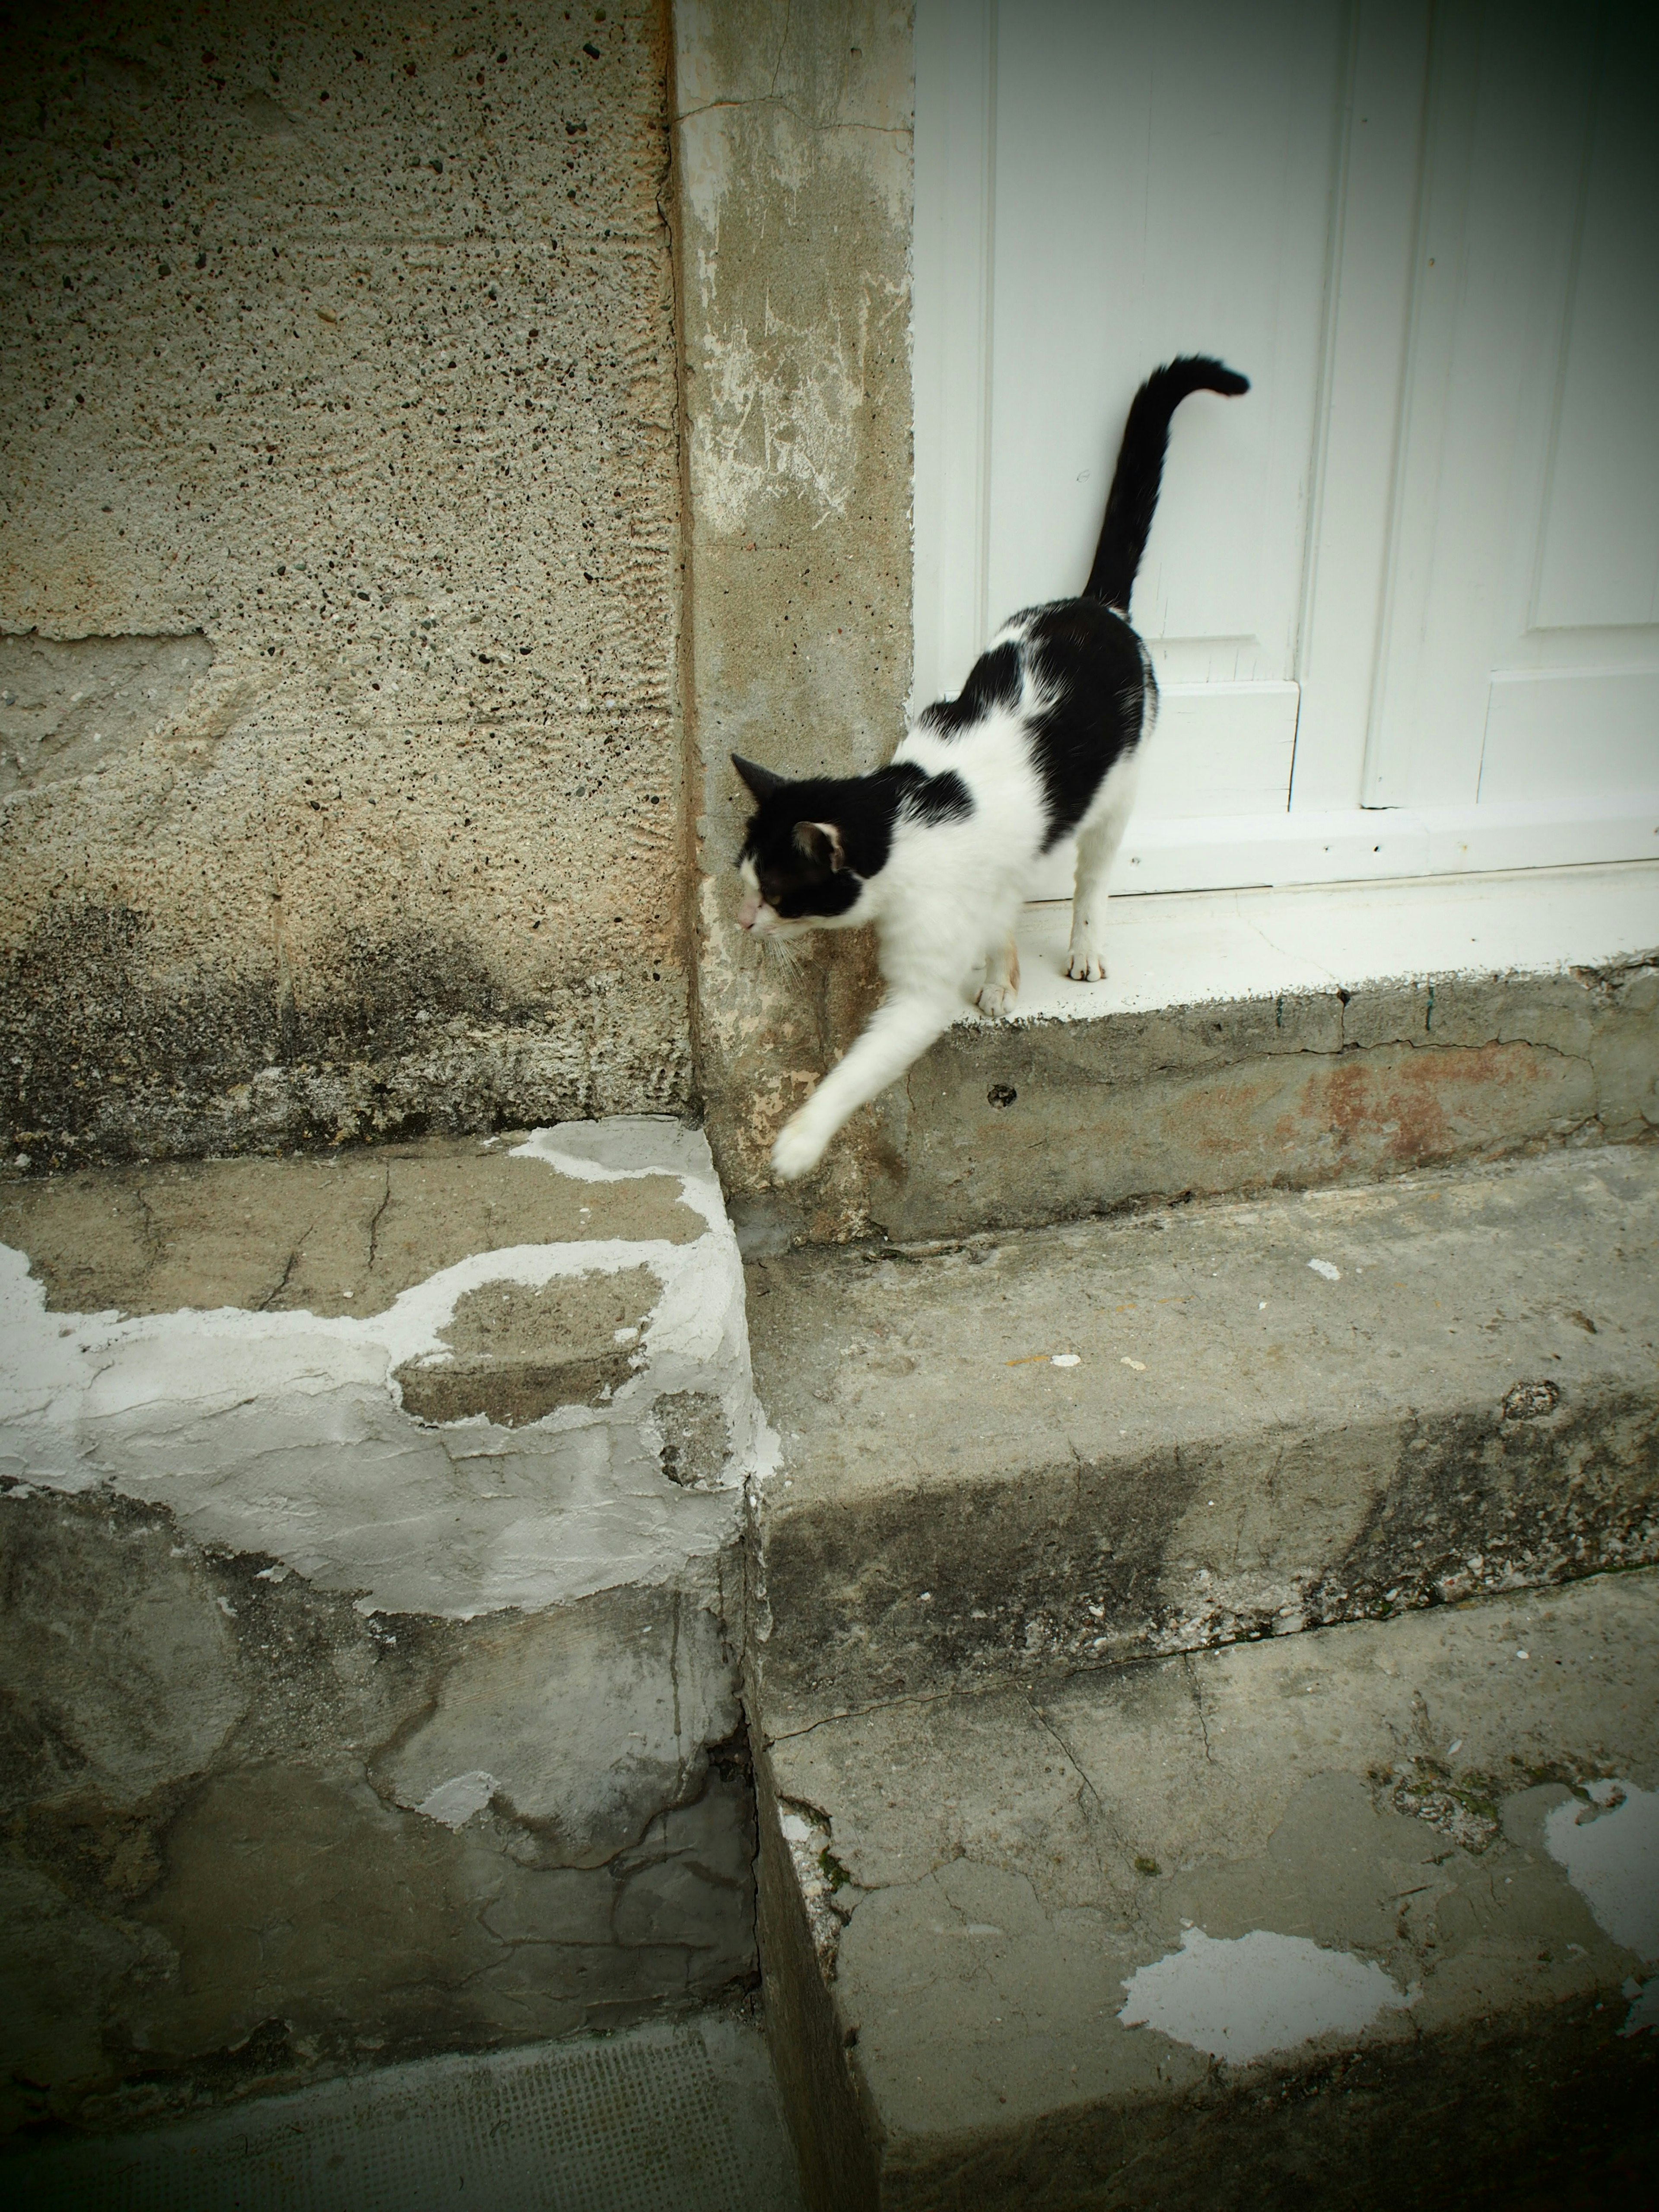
[792, 159]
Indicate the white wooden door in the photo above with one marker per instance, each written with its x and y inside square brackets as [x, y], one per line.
[1520, 662]
[1401, 597]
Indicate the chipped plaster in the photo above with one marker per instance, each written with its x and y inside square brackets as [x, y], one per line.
[283, 1432]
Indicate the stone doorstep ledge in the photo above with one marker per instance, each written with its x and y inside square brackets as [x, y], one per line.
[368, 1531]
[1356, 1916]
[1012, 1125]
[1076, 1446]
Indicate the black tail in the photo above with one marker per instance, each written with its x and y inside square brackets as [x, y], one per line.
[1133, 496]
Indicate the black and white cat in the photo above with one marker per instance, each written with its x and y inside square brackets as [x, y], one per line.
[937, 851]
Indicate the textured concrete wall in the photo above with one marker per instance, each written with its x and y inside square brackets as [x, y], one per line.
[792, 145]
[341, 776]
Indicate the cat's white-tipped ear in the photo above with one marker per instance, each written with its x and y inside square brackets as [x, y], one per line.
[821, 841]
[761, 780]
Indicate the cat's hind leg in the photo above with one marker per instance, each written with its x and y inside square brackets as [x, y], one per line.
[1097, 848]
[1001, 985]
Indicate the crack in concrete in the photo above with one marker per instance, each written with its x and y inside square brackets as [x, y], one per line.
[783, 44]
[1102, 1814]
[270, 1298]
[674, 1679]
[152, 1234]
[881, 1705]
[374, 1219]
[1195, 1691]
[772, 100]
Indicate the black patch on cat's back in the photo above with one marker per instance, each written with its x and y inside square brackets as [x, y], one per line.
[1086, 662]
[992, 681]
[933, 799]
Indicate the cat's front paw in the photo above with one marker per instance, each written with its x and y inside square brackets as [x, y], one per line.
[997, 1001]
[797, 1151]
[1086, 966]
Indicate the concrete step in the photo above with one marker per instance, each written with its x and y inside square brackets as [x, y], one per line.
[1368, 1914]
[1248, 1041]
[369, 1527]
[1004, 1457]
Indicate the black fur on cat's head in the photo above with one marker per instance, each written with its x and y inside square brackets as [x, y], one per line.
[802, 850]
[814, 844]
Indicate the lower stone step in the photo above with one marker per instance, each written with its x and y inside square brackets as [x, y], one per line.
[1352, 1918]
[368, 1528]
[1006, 1457]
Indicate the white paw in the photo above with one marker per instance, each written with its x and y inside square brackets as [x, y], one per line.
[1086, 967]
[997, 1001]
[797, 1151]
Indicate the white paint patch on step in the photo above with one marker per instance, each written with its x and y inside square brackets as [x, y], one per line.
[1240, 1998]
[455, 1801]
[1610, 1849]
[284, 1432]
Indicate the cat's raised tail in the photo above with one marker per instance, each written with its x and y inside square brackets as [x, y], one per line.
[1133, 496]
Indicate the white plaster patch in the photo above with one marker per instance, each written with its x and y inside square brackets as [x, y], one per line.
[284, 1432]
[1612, 1857]
[781, 411]
[1332, 1274]
[1240, 1998]
[455, 1801]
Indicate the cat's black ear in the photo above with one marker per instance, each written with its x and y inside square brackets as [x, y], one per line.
[821, 841]
[761, 780]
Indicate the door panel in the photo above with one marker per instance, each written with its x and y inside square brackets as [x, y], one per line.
[1599, 558]
[1526, 531]
[1219, 750]
[1552, 731]
[1161, 183]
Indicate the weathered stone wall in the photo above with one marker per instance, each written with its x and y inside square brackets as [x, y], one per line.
[792, 146]
[341, 777]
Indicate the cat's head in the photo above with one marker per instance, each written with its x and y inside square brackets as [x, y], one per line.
[794, 866]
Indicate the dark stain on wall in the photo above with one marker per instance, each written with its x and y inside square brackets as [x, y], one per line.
[108, 1055]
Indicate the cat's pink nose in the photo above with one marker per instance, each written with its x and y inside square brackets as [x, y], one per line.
[748, 911]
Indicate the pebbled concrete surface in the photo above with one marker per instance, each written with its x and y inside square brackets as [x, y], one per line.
[366, 1679]
[683, 2114]
[969, 1897]
[1073, 1445]
[338, 690]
